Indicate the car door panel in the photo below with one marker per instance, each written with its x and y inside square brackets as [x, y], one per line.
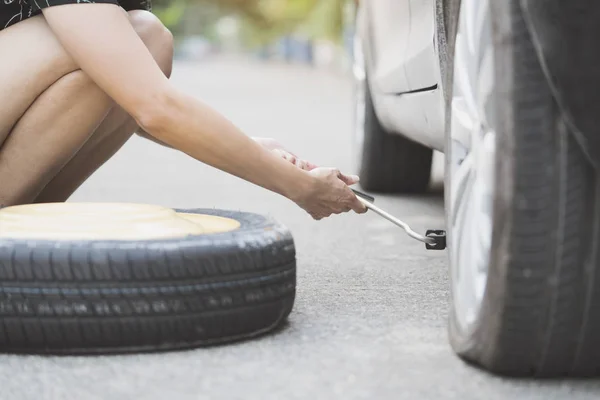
[388, 30]
[403, 67]
[420, 60]
[402, 54]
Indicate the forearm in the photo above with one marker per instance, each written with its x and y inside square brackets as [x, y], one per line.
[187, 124]
[143, 134]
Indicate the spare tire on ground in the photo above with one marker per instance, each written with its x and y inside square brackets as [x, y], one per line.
[79, 278]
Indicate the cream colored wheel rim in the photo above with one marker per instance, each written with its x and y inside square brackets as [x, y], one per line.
[106, 221]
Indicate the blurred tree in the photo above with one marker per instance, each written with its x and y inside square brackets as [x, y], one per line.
[247, 8]
[276, 18]
[326, 20]
[170, 12]
[261, 21]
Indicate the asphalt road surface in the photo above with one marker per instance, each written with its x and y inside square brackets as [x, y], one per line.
[370, 316]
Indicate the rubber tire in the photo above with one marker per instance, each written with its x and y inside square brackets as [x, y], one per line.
[83, 297]
[541, 309]
[391, 163]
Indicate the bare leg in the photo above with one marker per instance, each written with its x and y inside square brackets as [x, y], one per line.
[60, 127]
[117, 128]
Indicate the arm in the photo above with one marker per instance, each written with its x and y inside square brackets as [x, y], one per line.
[267, 143]
[105, 46]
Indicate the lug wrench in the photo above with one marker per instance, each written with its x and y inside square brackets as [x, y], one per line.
[434, 239]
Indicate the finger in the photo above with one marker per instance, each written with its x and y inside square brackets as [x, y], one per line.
[291, 153]
[286, 156]
[357, 205]
[342, 208]
[316, 216]
[305, 165]
[291, 158]
[348, 179]
[286, 150]
[310, 166]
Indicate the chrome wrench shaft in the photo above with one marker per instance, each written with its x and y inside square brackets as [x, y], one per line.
[394, 220]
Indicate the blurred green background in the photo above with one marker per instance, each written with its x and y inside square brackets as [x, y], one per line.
[311, 32]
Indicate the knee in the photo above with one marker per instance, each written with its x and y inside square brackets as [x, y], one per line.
[76, 82]
[157, 38]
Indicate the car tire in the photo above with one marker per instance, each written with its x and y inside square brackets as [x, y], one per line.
[121, 296]
[387, 162]
[536, 310]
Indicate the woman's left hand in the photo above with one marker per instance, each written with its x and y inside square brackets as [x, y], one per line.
[277, 148]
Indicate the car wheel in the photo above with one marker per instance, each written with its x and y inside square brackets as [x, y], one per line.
[521, 208]
[105, 278]
[387, 162]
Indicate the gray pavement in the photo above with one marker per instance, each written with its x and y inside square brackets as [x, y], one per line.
[370, 316]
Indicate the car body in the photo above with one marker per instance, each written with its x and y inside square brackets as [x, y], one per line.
[406, 84]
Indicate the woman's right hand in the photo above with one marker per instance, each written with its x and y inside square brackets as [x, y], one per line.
[329, 193]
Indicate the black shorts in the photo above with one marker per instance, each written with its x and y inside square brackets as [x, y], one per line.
[13, 11]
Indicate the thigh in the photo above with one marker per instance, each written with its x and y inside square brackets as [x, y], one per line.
[32, 60]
